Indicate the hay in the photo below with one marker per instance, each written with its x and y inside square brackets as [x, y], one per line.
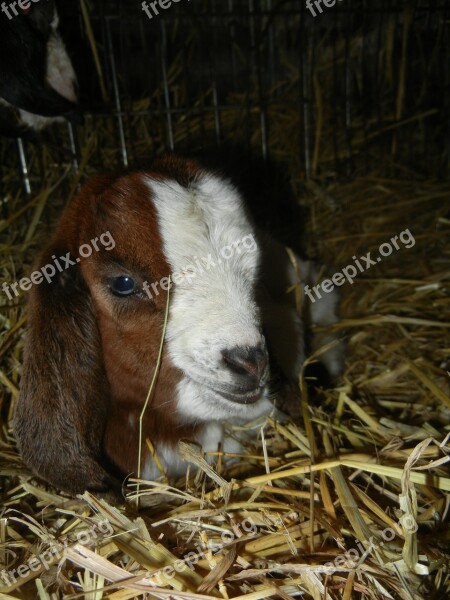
[322, 508]
[369, 458]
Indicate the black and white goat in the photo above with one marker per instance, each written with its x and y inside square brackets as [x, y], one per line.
[37, 79]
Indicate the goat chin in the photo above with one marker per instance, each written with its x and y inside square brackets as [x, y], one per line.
[95, 327]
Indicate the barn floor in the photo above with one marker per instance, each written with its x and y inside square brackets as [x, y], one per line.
[350, 502]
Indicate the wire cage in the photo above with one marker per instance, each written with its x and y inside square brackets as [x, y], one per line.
[357, 85]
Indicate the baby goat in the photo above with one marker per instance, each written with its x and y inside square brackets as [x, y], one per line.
[95, 330]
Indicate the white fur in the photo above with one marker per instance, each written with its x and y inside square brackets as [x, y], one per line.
[215, 310]
[199, 403]
[37, 122]
[211, 438]
[170, 460]
[60, 75]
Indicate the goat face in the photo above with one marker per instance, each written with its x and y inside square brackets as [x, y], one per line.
[214, 331]
[189, 225]
[95, 330]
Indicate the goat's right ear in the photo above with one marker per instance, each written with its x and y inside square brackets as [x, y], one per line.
[62, 407]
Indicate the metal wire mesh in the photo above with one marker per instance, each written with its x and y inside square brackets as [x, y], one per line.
[362, 82]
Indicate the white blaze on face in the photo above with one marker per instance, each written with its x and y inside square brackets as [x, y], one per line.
[209, 244]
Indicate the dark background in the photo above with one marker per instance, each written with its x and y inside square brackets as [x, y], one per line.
[371, 77]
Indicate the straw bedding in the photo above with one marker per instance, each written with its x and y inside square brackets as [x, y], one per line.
[369, 457]
[351, 501]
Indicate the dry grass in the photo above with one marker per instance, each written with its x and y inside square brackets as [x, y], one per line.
[368, 459]
[369, 456]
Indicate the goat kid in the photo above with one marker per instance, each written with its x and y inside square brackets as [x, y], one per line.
[94, 334]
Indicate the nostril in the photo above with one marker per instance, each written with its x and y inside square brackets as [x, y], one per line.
[248, 361]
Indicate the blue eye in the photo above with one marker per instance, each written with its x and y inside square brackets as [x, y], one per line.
[122, 286]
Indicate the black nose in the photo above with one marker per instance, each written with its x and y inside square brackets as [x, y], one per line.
[247, 361]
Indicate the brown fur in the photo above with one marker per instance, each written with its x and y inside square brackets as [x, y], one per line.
[90, 356]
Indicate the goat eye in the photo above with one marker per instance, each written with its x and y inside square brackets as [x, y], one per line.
[122, 286]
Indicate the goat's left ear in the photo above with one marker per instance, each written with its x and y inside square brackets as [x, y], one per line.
[62, 408]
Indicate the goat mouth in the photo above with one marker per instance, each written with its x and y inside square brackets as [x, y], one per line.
[247, 398]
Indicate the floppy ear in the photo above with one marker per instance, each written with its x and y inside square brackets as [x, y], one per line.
[62, 407]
